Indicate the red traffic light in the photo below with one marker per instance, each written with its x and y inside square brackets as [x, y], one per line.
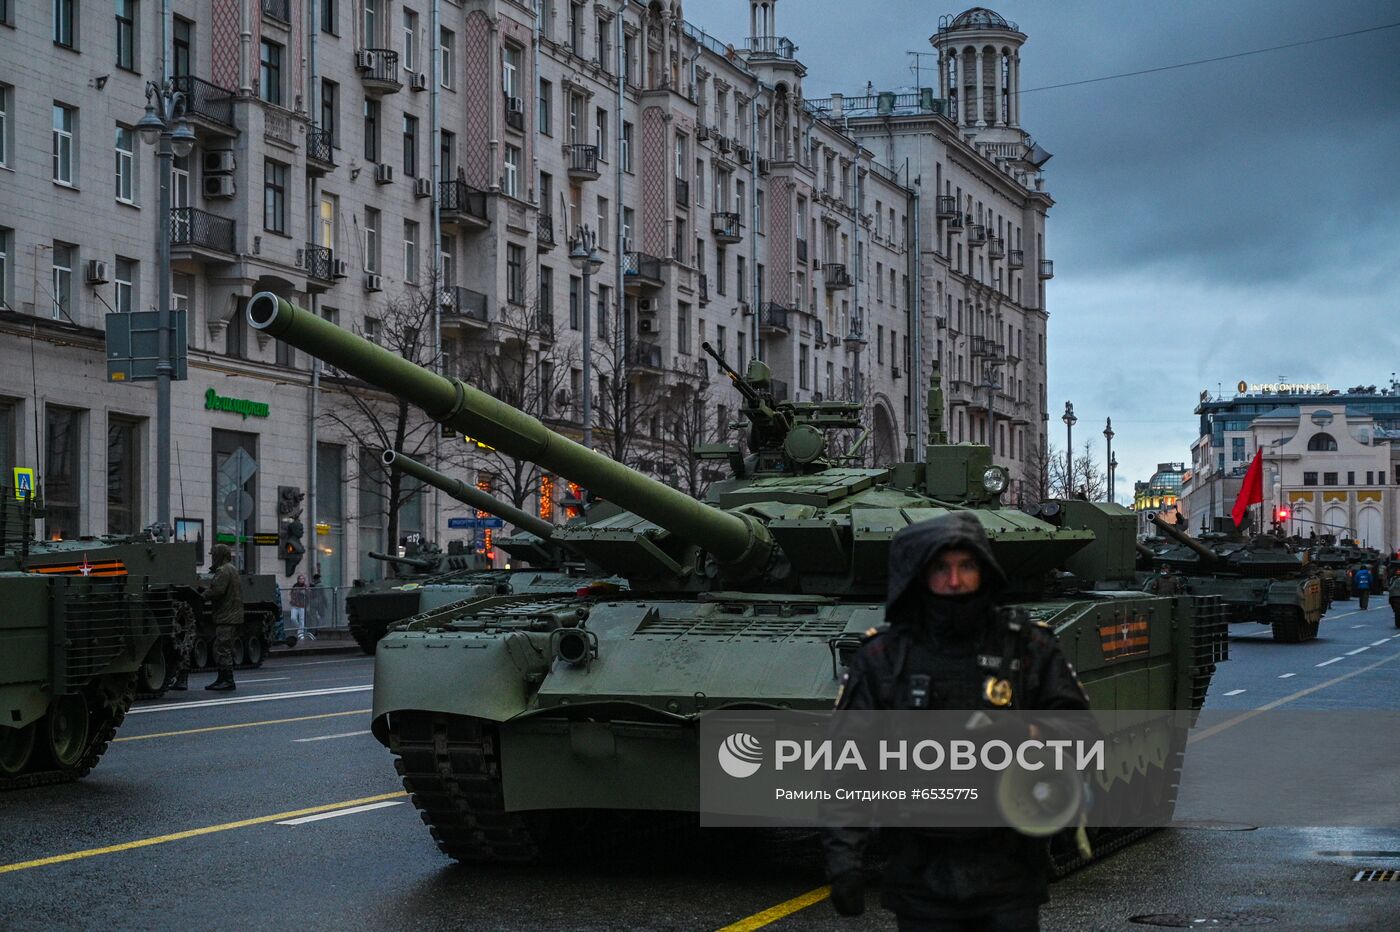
[1282, 514]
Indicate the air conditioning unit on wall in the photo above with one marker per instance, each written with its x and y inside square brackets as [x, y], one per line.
[220, 186]
[383, 173]
[423, 187]
[419, 81]
[96, 272]
[219, 162]
[374, 281]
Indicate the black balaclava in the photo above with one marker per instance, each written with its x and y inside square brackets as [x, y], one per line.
[956, 619]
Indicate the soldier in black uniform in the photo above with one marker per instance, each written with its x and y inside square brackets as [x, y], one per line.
[945, 646]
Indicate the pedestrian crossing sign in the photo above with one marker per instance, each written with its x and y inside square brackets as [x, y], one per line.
[24, 483]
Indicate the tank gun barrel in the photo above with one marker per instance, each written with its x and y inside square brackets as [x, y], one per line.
[468, 494]
[740, 543]
[418, 563]
[1181, 537]
[1143, 549]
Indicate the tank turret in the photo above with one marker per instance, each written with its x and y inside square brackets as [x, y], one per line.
[421, 564]
[1184, 539]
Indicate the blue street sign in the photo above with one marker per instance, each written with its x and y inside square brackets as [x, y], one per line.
[461, 524]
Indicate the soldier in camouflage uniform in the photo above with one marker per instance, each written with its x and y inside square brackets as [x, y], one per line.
[225, 595]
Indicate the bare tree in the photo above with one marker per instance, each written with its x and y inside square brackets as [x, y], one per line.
[629, 399]
[689, 420]
[1087, 481]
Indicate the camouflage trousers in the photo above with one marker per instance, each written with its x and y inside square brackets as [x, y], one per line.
[223, 646]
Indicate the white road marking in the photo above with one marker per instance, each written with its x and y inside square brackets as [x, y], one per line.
[1358, 650]
[1379, 643]
[269, 697]
[1234, 692]
[1326, 662]
[1354, 627]
[1393, 637]
[340, 812]
[1342, 615]
[344, 734]
[317, 663]
[269, 679]
[1284, 676]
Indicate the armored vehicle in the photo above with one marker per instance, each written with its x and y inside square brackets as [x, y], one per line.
[1259, 580]
[81, 618]
[435, 579]
[511, 716]
[254, 637]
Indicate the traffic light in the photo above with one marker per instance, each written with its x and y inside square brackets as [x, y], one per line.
[1282, 514]
[289, 499]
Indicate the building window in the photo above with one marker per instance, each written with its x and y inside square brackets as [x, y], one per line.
[182, 44]
[63, 257]
[270, 73]
[4, 268]
[626, 146]
[510, 72]
[64, 126]
[1370, 477]
[683, 328]
[410, 146]
[721, 275]
[447, 45]
[1329, 478]
[123, 280]
[330, 110]
[123, 476]
[575, 299]
[1351, 478]
[4, 124]
[126, 34]
[63, 471]
[604, 304]
[1324, 443]
[371, 130]
[576, 28]
[447, 155]
[63, 22]
[515, 274]
[511, 181]
[600, 133]
[330, 17]
[410, 251]
[1237, 449]
[371, 22]
[274, 197]
[410, 40]
[544, 307]
[126, 167]
[371, 240]
[545, 107]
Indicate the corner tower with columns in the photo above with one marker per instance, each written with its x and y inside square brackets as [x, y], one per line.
[979, 73]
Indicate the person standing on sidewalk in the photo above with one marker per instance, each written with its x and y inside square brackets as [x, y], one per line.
[300, 596]
[225, 595]
[318, 605]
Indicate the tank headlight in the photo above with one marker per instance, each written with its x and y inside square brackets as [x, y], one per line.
[994, 480]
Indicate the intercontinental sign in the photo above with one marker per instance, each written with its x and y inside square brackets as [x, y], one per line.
[1283, 388]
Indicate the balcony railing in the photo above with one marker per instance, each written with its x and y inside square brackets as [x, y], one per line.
[317, 262]
[955, 223]
[379, 69]
[1016, 259]
[996, 247]
[802, 250]
[319, 146]
[1047, 268]
[947, 207]
[976, 234]
[704, 288]
[725, 226]
[582, 161]
[462, 305]
[204, 102]
[836, 276]
[544, 230]
[515, 114]
[772, 47]
[682, 193]
[773, 316]
[544, 324]
[190, 226]
[280, 10]
[646, 356]
[641, 266]
[818, 332]
[461, 203]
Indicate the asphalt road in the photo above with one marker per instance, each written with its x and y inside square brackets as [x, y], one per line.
[274, 808]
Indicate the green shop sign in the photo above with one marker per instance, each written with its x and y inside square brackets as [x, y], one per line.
[216, 402]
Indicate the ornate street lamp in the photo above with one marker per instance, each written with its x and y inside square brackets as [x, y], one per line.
[583, 253]
[1108, 437]
[1070, 420]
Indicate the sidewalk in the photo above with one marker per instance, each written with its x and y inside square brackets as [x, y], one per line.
[329, 641]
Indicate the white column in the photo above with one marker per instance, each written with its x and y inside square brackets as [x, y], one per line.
[1015, 90]
[942, 75]
[981, 103]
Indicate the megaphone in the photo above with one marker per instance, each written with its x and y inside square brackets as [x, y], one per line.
[1039, 803]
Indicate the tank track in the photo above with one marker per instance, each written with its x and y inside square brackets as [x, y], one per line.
[1289, 625]
[112, 700]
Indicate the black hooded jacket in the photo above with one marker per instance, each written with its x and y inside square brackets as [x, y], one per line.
[953, 644]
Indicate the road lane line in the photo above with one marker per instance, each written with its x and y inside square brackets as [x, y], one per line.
[1328, 662]
[1354, 627]
[1379, 643]
[317, 663]
[268, 697]
[1351, 653]
[1234, 692]
[269, 679]
[774, 913]
[193, 833]
[340, 812]
[1284, 676]
[344, 734]
[270, 721]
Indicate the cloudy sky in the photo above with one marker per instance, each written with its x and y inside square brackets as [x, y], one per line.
[1226, 221]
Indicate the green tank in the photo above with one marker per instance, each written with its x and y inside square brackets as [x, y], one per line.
[254, 638]
[82, 627]
[512, 716]
[1259, 580]
[430, 579]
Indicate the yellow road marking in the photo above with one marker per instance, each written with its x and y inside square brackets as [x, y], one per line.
[271, 721]
[192, 833]
[774, 913]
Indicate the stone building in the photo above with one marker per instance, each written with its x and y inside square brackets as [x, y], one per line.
[357, 156]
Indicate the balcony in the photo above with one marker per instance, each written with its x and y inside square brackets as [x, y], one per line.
[725, 226]
[947, 207]
[1047, 269]
[641, 270]
[320, 152]
[379, 70]
[464, 308]
[279, 10]
[771, 47]
[704, 288]
[207, 106]
[976, 234]
[802, 250]
[774, 317]
[196, 233]
[646, 358]
[318, 262]
[1016, 259]
[515, 114]
[462, 206]
[836, 276]
[544, 232]
[682, 193]
[582, 161]
[996, 247]
[955, 224]
[544, 325]
[818, 333]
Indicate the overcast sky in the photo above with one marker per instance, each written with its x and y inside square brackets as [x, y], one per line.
[1227, 221]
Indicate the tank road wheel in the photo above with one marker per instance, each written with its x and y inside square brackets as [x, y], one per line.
[254, 652]
[68, 730]
[1288, 624]
[238, 653]
[199, 654]
[16, 749]
[150, 677]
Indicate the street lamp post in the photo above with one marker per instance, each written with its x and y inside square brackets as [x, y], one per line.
[583, 252]
[1108, 437]
[165, 127]
[1070, 420]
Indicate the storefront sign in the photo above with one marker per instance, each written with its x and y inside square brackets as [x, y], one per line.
[1283, 388]
[216, 402]
[266, 539]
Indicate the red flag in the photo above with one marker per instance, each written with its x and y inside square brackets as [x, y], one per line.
[1252, 491]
